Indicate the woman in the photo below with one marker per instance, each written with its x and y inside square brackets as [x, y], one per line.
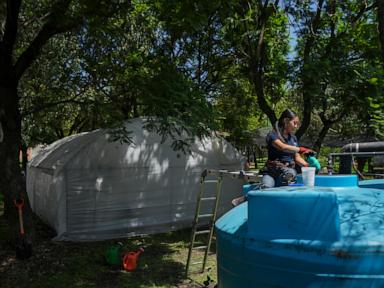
[283, 154]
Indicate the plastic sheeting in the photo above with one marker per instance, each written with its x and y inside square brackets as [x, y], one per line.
[89, 188]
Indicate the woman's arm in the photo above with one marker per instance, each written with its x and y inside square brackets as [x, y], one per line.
[299, 160]
[285, 147]
[290, 148]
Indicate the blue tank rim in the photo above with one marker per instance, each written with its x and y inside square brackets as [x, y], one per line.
[334, 180]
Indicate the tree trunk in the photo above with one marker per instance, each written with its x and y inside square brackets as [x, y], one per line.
[258, 83]
[12, 182]
[257, 66]
[321, 136]
[306, 76]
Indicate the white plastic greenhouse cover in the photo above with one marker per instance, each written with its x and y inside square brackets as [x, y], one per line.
[89, 188]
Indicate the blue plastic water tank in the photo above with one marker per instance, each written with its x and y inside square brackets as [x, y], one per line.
[326, 236]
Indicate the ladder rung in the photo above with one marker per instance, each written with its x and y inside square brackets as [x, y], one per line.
[202, 232]
[211, 181]
[208, 198]
[198, 262]
[199, 247]
[201, 228]
[204, 215]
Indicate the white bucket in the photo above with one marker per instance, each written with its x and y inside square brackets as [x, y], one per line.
[308, 174]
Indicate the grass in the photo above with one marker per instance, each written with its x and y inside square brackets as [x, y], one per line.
[70, 264]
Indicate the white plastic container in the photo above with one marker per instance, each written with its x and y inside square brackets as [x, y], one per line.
[308, 174]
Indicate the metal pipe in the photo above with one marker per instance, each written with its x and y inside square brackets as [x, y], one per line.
[346, 158]
[363, 147]
[356, 154]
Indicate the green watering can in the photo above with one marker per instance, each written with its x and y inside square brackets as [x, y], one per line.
[313, 162]
[113, 255]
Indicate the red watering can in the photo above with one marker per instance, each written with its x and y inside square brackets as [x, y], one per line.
[130, 260]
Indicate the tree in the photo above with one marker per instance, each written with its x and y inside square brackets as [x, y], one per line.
[29, 26]
[250, 64]
[308, 19]
[256, 32]
[342, 61]
[331, 58]
[115, 72]
[89, 71]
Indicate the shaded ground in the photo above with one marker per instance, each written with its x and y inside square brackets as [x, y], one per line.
[68, 264]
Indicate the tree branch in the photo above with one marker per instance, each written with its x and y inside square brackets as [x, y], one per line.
[53, 104]
[49, 29]
[364, 8]
[6, 46]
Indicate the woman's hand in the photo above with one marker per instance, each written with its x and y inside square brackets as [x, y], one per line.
[304, 150]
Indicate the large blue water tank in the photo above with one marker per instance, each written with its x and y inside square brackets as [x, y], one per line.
[303, 237]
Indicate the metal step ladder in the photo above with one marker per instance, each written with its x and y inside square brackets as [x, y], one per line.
[200, 228]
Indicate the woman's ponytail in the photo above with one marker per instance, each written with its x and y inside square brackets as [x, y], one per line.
[279, 125]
